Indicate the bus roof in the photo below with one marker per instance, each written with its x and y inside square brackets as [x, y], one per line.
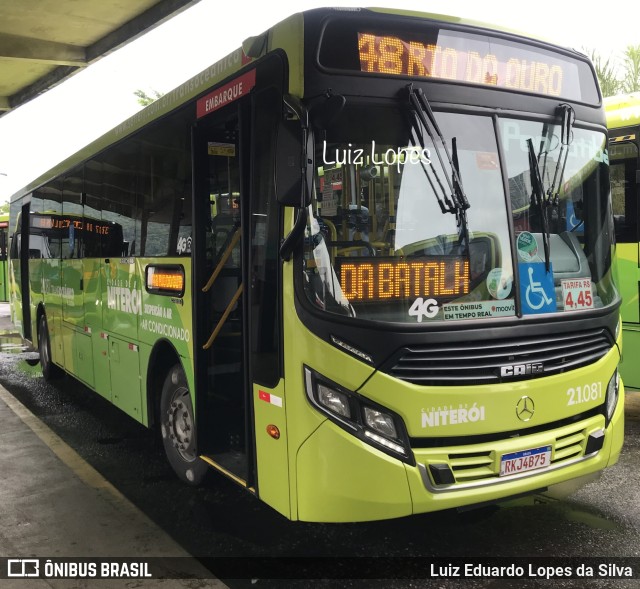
[622, 110]
[225, 67]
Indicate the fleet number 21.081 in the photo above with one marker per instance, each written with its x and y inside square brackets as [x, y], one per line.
[584, 394]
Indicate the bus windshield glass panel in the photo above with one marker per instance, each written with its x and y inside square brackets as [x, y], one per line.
[431, 52]
[388, 237]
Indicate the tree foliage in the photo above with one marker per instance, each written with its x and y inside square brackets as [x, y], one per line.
[606, 72]
[617, 76]
[145, 99]
[631, 80]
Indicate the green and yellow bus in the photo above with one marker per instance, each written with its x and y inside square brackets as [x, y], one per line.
[4, 257]
[362, 266]
[623, 120]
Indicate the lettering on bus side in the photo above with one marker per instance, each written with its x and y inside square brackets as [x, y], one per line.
[452, 416]
[122, 298]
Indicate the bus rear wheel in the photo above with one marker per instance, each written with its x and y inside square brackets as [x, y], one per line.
[177, 426]
[49, 370]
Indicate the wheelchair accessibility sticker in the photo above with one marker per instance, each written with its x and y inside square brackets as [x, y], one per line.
[573, 223]
[536, 288]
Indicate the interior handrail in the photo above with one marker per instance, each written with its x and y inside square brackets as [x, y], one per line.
[223, 260]
[224, 317]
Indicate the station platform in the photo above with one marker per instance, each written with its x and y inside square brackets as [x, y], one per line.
[54, 505]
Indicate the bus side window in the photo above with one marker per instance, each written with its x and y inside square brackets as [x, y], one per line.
[164, 188]
[120, 199]
[624, 192]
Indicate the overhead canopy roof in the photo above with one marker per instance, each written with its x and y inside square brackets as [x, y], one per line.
[43, 42]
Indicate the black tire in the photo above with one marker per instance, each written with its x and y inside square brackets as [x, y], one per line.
[49, 370]
[177, 427]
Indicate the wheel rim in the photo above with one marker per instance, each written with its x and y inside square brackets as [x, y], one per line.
[180, 424]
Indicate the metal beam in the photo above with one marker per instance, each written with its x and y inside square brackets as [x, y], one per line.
[30, 49]
[66, 59]
[141, 24]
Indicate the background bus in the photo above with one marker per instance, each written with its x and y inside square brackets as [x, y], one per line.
[623, 120]
[365, 267]
[4, 256]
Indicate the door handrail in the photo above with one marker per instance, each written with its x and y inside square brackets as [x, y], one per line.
[223, 260]
[224, 317]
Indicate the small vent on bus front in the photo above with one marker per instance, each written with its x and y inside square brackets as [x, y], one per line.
[500, 360]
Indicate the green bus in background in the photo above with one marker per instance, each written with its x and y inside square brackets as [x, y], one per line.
[4, 253]
[623, 121]
[361, 266]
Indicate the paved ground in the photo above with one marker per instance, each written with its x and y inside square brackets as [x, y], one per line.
[54, 504]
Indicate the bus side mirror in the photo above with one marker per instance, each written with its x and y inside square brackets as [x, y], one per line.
[294, 161]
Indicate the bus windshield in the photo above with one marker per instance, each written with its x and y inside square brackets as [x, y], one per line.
[387, 239]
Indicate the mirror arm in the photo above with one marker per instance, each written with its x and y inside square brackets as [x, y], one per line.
[303, 116]
[290, 241]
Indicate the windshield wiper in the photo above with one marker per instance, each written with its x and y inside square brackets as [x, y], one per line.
[566, 138]
[539, 198]
[456, 200]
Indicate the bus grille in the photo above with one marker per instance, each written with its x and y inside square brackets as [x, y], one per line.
[477, 466]
[480, 362]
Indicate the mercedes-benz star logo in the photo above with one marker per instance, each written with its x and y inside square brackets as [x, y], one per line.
[525, 408]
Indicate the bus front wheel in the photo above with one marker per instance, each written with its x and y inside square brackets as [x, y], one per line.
[49, 370]
[177, 426]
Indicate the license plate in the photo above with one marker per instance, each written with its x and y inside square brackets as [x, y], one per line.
[525, 460]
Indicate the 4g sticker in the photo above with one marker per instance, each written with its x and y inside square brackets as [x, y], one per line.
[427, 308]
[184, 245]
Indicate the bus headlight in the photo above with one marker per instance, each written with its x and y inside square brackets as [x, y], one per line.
[380, 421]
[612, 395]
[334, 401]
[366, 420]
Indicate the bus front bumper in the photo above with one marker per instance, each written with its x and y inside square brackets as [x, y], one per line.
[341, 479]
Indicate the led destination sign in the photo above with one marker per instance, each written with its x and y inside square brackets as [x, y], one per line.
[378, 280]
[509, 67]
[57, 222]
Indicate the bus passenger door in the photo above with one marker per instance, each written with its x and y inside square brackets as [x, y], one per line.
[625, 193]
[20, 268]
[219, 324]
[236, 265]
[4, 275]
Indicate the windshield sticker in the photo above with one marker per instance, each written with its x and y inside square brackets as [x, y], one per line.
[527, 247]
[536, 288]
[577, 294]
[479, 310]
[573, 223]
[424, 308]
[499, 283]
